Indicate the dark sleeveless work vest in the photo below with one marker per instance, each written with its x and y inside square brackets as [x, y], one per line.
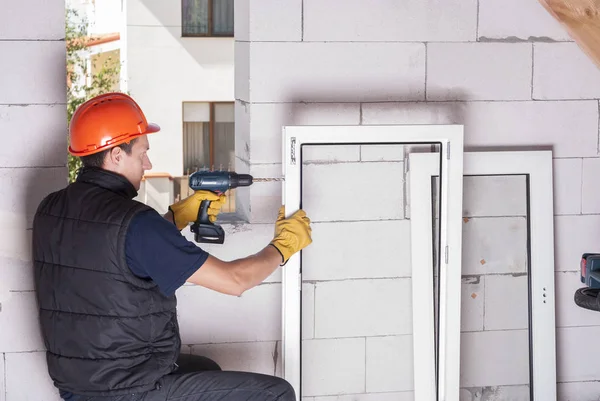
[106, 331]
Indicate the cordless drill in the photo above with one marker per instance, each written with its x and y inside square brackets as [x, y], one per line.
[217, 182]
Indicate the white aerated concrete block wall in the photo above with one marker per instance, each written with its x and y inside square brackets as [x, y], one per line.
[33, 128]
[506, 71]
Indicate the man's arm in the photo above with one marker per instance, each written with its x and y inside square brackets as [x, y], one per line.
[169, 217]
[234, 278]
[237, 276]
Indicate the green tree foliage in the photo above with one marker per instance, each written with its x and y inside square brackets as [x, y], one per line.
[82, 84]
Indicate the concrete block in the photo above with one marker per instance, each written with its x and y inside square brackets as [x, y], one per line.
[242, 71]
[46, 18]
[337, 72]
[563, 71]
[34, 73]
[568, 314]
[574, 236]
[478, 71]
[381, 153]
[257, 357]
[413, 113]
[390, 364]
[242, 131]
[503, 125]
[506, 302]
[28, 186]
[333, 193]
[269, 119]
[494, 196]
[568, 186]
[241, 20]
[272, 20]
[15, 275]
[365, 249]
[241, 240]
[207, 316]
[411, 21]
[590, 188]
[514, 20]
[512, 393]
[242, 198]
[15, 255]
[472, 302]
[265, 197]
[27, 378]
[494, 358]
[330, 154]
[331, 367]
[494, 245]
[19, 321]
[383, 308]
[308, 311]
[578, 391]
[401, 396]
[574, 360]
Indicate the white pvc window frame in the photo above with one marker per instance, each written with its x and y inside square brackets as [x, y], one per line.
[536, 166]
[450, 159]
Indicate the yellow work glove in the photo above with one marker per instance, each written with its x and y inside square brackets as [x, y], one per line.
[292, 234]
[186, 210]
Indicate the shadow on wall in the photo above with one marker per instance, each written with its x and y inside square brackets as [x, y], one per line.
[39, 170]
[402, 110]
[45, 177]
[303, 108]
[43, 172]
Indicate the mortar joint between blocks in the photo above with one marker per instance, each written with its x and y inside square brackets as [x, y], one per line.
[302, 21]
[532, 67]
[598, 142]
[477, 23]
[425, 89]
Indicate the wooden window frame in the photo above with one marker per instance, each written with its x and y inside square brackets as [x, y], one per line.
[210, 33]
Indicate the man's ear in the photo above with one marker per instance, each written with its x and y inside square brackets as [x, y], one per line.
[115, 156]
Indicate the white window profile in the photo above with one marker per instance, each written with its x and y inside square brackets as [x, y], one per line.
[450, 161]
[536, 166]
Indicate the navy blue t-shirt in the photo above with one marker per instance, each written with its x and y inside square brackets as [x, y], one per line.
[155, 249]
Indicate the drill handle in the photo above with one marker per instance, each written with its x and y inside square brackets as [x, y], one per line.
[205, 231]
[203, 213]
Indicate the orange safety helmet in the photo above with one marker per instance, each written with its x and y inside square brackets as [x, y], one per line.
[106, 121]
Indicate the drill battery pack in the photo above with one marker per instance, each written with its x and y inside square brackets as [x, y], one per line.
[589, 269]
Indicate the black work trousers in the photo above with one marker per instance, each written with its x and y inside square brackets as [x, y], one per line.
[201, 379]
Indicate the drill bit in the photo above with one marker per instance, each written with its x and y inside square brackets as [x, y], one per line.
[267, 179]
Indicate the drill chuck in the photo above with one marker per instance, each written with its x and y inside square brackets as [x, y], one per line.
[240, 180]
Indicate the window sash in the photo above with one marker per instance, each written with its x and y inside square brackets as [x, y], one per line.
[208, 136]
[207, 18]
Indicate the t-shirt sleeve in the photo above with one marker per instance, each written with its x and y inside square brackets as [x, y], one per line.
[155, 249]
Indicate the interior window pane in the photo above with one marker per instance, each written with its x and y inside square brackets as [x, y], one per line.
[195, 17]
[222, 17]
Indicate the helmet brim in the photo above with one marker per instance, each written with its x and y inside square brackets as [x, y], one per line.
[152, 128]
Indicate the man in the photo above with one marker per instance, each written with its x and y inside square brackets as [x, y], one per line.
[107, 267]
